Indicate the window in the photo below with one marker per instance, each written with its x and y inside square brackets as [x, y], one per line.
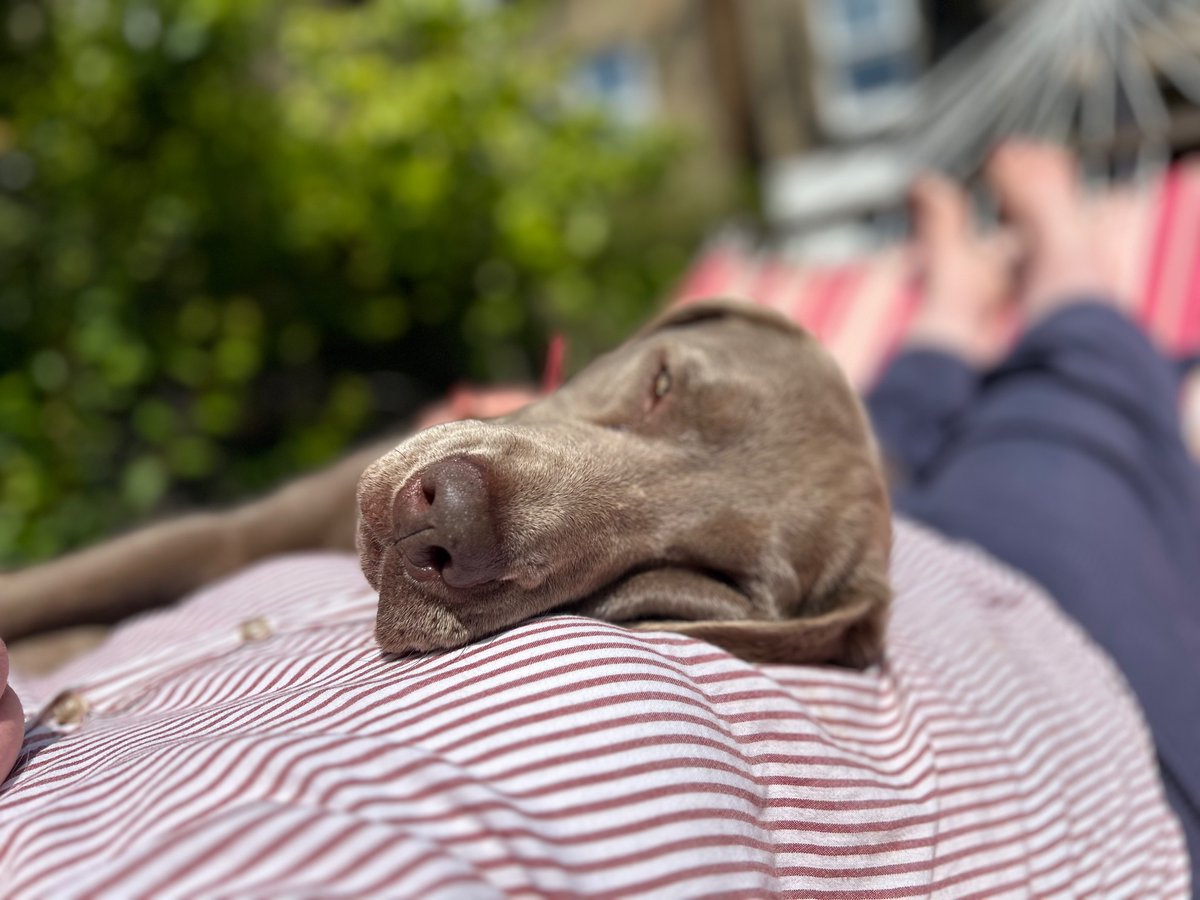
[621, 80]
[876, 73]
[867, 56]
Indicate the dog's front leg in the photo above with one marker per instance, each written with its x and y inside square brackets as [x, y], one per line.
[117, 578]
[162, 562]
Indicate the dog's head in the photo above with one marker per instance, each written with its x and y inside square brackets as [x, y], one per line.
[714, 476]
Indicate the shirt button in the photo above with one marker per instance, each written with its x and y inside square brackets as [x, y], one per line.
[254, 629]
[69, 708]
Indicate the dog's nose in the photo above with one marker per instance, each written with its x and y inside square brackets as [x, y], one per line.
[444, 525]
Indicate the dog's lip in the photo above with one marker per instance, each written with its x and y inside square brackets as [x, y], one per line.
[528, 575]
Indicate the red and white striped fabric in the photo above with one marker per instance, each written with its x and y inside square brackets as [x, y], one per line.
[862, 308]
[254, 742]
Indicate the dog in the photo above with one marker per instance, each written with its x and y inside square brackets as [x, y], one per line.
[715, 476]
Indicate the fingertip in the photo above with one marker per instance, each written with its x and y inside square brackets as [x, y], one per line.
[12, 730]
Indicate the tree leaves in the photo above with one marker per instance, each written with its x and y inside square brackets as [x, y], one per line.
[225, 225]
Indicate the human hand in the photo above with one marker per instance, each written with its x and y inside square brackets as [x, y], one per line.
[12, 719]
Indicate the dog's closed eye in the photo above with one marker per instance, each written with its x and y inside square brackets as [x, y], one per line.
[659, 387]
[662, 382]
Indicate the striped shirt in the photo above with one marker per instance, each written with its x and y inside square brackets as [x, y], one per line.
[253, 742]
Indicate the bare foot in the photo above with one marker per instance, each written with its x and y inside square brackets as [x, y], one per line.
[1039, 192]
[1113, 216]
[966, 308]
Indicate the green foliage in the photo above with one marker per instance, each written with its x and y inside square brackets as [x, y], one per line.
[235, 235]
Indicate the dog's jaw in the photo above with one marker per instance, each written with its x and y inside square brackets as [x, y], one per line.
[408, 625]
[422, 613]
[409, 619]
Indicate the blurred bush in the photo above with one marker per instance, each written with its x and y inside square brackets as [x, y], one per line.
[236, 235]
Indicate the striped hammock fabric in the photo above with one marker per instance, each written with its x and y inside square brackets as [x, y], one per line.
[254, 743]
[861, 309]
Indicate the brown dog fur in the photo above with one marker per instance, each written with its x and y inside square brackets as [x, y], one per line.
[744, 506]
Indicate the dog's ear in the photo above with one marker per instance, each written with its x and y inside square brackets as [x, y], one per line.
[850, 634]
[691, 603]
[664, 593]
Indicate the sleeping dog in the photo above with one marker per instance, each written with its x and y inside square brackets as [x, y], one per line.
[714, 476]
